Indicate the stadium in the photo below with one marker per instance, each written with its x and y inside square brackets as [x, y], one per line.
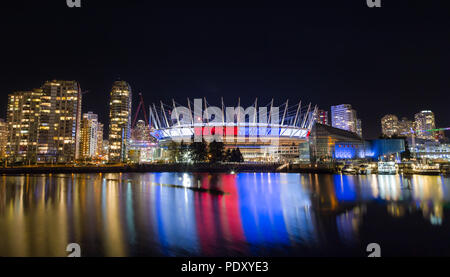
[264, 133]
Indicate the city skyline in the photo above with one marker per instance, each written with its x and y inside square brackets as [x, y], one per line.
[47, 125]
[324, 115]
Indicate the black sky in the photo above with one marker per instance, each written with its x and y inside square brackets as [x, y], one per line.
[395, 59]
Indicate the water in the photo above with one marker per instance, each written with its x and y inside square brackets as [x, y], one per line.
[247, 214]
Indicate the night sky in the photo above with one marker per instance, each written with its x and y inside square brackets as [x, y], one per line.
[395, 59]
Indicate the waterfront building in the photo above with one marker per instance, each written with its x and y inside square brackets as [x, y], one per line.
[322, 117]
[429, 149]
[344, 117]
[105, 150]
[424, 121]
[44, 124]
[100, 152]
[323, 139]
[119, 121]
[368, 149]
[23, 113]
[390, 125]
[89, 136]
[3, 138]
[253, 134]
[59, 122]
[142, 147]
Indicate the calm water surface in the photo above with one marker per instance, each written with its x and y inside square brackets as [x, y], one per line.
[247, 214]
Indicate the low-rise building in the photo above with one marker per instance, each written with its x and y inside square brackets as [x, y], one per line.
[368, 149]
[429, 149]
[323, 139]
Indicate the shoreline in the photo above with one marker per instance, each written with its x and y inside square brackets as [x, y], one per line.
[200, 167]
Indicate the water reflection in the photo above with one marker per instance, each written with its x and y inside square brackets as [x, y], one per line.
[248, 214]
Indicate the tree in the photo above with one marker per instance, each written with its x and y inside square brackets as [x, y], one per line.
[199, 151]
[236, 156]
[239, 156]
[227, 155]
[183, 153]
[173, 151]
[216, 152]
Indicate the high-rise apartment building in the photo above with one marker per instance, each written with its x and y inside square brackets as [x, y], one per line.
[405, 126]
[359, 127]
[141, 132]
[89, 136]
[344, 117]
[390, 125]
[424, 121]
[106, 148]
[60, 122]
[23, 114]
[322, 117]
[119, 121]
[100, 151]
[3, 138]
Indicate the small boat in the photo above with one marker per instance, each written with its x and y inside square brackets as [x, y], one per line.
[424, 169]
[389, 168]
[349, 169]
[364, 169]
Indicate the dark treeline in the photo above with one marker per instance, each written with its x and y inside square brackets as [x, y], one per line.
[197, 152]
